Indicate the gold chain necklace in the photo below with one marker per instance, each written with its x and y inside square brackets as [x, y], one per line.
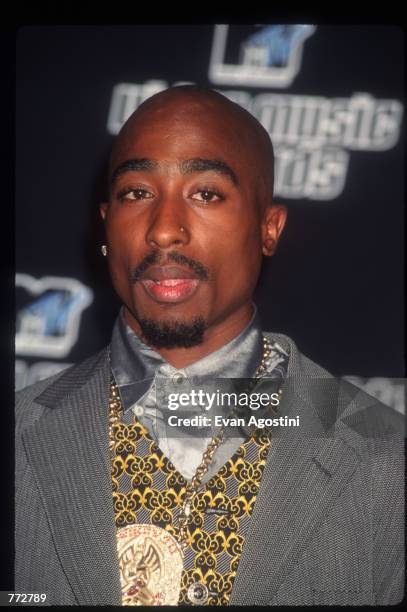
[115, 414]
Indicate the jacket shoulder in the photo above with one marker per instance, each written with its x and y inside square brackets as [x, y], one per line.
[31, 402]
[361, 413]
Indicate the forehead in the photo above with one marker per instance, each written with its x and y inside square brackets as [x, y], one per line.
[175, 132]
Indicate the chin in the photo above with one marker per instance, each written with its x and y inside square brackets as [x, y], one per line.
[177, 333]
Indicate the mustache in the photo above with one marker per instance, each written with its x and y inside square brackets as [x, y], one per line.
[156, 257]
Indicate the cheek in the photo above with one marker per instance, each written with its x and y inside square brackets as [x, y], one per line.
[125, 237]
[240, 255]
[242, 240]
[125, 251]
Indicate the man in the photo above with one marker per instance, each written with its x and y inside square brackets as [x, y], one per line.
[112, 508]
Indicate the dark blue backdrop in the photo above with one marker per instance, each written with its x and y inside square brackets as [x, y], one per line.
[335, 285]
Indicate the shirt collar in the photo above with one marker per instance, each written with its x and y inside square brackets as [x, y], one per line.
[134, 364]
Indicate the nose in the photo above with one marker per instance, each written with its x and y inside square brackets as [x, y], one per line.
[168, 226]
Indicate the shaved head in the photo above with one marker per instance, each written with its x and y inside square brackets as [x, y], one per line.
[240, 127]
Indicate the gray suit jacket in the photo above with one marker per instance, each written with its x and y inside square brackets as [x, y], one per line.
[327, 526]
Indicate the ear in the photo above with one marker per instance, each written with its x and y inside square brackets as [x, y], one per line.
[103, 209]
[273, 222]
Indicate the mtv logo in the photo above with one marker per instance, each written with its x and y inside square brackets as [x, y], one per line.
[49, 324]
[270, 57]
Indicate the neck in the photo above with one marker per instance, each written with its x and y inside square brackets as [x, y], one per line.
[216, 336]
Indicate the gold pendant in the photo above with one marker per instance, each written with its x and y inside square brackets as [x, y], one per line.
[151, 564]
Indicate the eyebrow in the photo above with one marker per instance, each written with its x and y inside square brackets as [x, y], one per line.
[133, 165]
[187, 166]
[199, 164]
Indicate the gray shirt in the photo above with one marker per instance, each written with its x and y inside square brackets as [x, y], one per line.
[144, 379]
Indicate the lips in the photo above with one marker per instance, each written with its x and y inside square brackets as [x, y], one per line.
[169, 284]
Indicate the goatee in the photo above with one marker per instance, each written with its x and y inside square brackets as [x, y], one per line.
[173, 335]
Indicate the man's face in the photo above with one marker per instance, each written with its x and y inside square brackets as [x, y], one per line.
[183, 204]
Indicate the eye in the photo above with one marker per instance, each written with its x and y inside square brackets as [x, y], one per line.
[207, 195]
[134, 194]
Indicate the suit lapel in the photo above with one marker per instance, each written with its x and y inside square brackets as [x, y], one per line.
[69, 454]
[295, 495]
[305, 472]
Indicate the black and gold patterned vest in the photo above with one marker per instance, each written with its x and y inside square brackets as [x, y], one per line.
[147, 489]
